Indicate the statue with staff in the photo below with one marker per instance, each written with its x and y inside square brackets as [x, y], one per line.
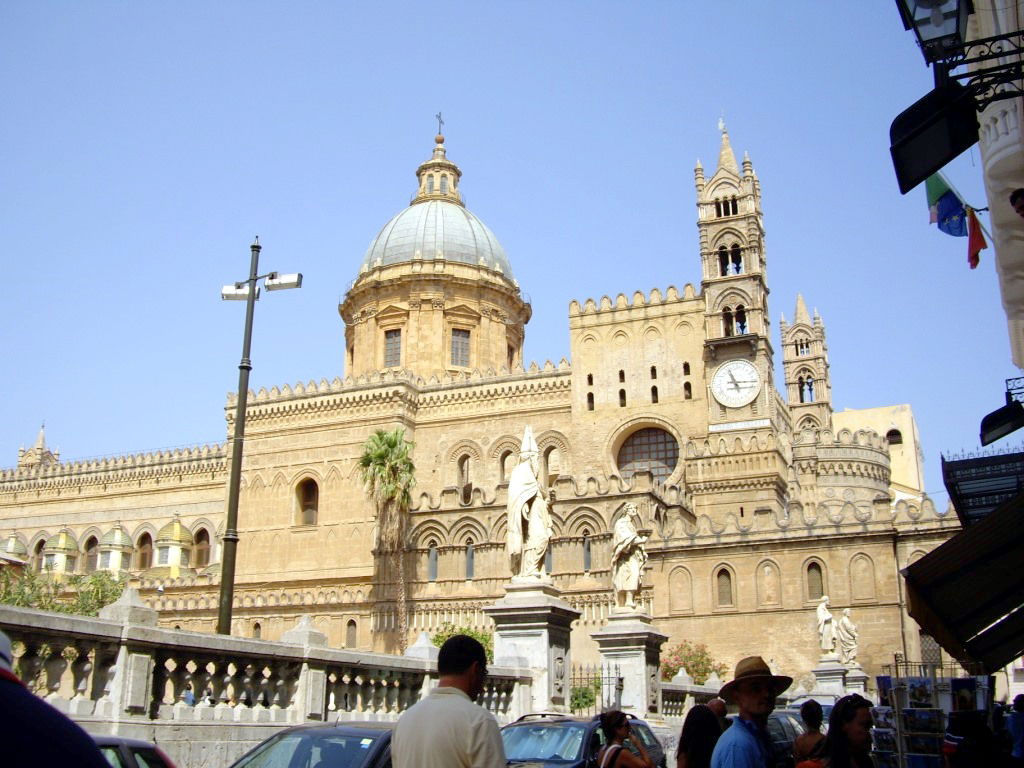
[529, 523]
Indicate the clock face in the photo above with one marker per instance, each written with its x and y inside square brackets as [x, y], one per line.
[735, 383]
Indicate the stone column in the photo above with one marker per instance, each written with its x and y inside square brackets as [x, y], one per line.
[630, 643]
[131, 689]
[856, 679]
[531, 630]
[830, 676]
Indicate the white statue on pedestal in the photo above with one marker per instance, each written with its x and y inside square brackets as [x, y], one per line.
[529, 524]
[846, 635]
[826, 629]
[628, 558]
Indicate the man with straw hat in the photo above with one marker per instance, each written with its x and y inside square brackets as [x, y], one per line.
[753, 689]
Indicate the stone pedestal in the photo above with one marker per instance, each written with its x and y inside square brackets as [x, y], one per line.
[630, 642]
[531, 629]
[856, 680]
[830, 676]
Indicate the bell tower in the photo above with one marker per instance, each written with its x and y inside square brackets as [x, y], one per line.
[734, 287]
[805, 366]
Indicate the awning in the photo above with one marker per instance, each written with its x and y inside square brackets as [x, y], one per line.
[969, 593]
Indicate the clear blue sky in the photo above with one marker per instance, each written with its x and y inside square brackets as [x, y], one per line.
[143, 144]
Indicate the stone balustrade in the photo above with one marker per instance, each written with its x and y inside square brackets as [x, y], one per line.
[206, 699]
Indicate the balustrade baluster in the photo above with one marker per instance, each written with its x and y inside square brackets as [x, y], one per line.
[81, 670]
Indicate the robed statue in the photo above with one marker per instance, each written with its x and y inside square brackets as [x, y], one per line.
[826, 629]
[628, 558]
[846, 638]
[529, 524]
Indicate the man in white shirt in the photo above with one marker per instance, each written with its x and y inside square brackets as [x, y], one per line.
[446, 729]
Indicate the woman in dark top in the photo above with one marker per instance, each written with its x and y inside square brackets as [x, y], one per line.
[613, 754]
[807, 743]
[697, 740]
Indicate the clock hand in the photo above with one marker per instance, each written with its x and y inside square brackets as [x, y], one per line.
[735, 384]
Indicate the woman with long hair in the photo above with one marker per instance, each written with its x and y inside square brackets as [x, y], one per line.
[848, 742]
[615, 726]
[697, 740]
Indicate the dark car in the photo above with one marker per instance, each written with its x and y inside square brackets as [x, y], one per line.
[783, 728]
[131, 753]
[561, 741]
[345, 745]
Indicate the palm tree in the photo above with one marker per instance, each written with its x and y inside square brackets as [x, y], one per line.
[388, 476]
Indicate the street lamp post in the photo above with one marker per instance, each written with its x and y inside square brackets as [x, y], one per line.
[249, 291]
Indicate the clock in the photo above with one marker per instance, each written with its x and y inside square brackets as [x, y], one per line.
[735, 383]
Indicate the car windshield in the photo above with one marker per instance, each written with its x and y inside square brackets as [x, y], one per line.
[311, 749]
[544, 741]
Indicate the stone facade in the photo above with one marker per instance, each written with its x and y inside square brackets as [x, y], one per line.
[756, 503]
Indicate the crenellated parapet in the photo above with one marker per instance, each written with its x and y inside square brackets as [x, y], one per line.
[846, 453]
[638, 301]
[193, 460]
[379, 393]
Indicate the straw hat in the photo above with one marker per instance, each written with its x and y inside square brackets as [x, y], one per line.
[754, 668]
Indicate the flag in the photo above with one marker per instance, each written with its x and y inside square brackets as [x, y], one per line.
[975, 239]
[945, 206]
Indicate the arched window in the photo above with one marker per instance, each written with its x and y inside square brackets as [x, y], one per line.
[815, 582]
[622, 398]
[590, 379]
[351, 630]
[723, 587]
[718, 208]
[727, 326]
[92, 554]
[257, 631]
[307, 495]
[552, 464]
[687, 391]
[686, 369]
[144, 552]
[741, 320]
[444, 184]
[469, 559]
[734, 206]
[622, 377]
[464, 482]
[432, 561]
[654, 394]
[506, 465]
[586, 550]
[430, 184]
[736, 259]
[549, 561]
[37, 556]
[894, 437]
[590, 401]
[649, 449]
[723, 261]
[654, 371]
[202, 548]
[806, 387]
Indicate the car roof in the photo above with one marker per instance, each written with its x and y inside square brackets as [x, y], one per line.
[104, 740]
[345, 726]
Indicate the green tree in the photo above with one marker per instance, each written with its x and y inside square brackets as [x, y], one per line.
[446, 630]
[79, 594]
[388, 476]
[695, 658]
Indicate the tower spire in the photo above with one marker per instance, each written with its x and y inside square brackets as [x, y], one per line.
[801, 315]
[726, 157]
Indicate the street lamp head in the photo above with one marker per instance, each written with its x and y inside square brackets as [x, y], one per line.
[940, 25]
[277, 282]
[238, 292]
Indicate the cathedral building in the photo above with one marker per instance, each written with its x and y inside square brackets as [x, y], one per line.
[757, 498]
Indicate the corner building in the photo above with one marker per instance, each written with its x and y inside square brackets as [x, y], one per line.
[759, 498]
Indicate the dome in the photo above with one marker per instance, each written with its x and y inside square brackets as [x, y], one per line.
[62, 542]
[435, 229]
[174, 533]
[13, 546]
[116, 537]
